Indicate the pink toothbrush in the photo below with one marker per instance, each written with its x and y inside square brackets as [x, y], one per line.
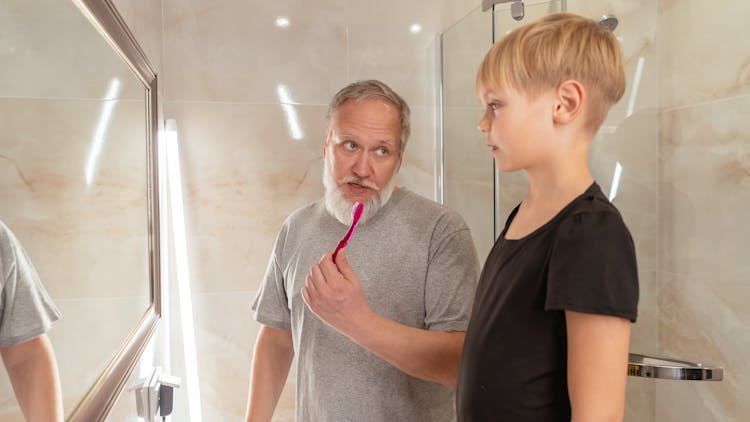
[356, 214]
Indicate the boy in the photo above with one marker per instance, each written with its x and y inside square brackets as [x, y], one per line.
[549, 333]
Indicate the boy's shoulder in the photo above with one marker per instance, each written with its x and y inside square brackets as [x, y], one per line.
[593, 201]
[593, 214]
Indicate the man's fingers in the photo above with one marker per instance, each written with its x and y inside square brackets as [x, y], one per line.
[328, 268]
[318, 277]
[343, 267]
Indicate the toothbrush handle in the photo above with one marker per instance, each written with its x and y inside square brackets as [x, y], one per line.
[346, 238]
[343, 241]
[338, 248]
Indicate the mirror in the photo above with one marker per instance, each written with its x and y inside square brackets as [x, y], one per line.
[77, 187]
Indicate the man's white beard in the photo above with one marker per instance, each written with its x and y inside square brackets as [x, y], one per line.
[339, 207]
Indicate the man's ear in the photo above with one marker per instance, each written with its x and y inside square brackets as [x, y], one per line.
[570, 100]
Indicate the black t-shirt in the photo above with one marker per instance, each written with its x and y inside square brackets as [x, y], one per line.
[514, 362]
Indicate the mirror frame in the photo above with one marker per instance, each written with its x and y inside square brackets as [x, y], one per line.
[98, 401]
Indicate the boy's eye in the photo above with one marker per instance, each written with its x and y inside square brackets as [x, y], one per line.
[493, 106]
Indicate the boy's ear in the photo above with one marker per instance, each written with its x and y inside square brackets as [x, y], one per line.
[569, 104]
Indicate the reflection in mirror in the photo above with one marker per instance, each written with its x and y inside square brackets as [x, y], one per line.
[74, 183]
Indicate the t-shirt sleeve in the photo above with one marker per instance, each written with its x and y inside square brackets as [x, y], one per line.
[271, 302]
[26, 309]
[593, 266]
[452, 276]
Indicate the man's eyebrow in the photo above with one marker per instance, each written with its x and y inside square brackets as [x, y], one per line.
[344, 136]
[389, 142]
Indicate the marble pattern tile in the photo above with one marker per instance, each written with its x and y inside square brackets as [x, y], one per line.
[219, 50]
[242, 175]
[703, 56]
[63, 57]
[703, 312]
[382, 46]
[63, 222]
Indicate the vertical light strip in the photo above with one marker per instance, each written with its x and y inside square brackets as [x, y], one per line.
[636, 83]
[615, 182]
[101, 128]
[166, 251]
[291, 115]
[182, 271]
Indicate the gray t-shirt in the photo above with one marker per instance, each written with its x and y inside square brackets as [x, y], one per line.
[26, 310]
[418, 266]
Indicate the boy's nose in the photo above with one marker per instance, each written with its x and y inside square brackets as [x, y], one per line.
[483, 125]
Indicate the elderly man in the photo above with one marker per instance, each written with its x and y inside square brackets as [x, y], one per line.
[378, 333]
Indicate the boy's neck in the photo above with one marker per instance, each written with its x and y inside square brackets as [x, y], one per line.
[560, 181]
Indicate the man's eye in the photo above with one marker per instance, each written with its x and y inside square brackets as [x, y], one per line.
[351, 146]
[382, 151]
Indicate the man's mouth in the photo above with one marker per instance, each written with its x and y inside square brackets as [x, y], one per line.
[358, 186]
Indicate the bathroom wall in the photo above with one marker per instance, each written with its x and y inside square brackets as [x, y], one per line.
[250, 98]
[704, 199]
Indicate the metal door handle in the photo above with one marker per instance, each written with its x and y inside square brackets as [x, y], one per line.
[671, 369]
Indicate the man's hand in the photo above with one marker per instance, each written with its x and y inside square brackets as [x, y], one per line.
[333, 293]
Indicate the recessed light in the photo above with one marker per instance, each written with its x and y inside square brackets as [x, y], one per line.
[282, 22]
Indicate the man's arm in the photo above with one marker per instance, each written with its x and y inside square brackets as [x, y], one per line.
[597, 366]
[272, 359]
[333, 292]
[33, 373]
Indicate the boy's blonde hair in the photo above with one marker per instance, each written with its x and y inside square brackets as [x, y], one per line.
[553, 49]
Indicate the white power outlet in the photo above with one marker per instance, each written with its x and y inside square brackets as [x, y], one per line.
[155, 395]
[147, 396]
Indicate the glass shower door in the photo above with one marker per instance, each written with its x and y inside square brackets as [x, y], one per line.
[467, 166]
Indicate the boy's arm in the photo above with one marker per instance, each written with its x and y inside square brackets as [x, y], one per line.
[274, 352]
[597, 366]
[33, 373]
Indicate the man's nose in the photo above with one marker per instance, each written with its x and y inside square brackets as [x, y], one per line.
[362, 166]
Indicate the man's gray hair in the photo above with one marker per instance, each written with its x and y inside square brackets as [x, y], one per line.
[365, 90]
